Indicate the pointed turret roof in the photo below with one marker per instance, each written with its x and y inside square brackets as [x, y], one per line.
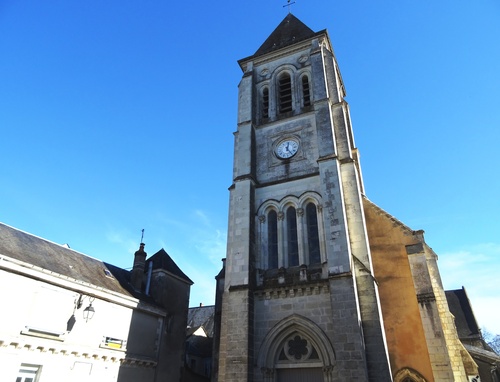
[162, 260]
[290, 31]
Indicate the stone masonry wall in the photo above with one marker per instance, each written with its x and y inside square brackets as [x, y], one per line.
[235, 355]
[332, 306]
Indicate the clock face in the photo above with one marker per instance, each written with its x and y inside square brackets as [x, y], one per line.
[287, 149]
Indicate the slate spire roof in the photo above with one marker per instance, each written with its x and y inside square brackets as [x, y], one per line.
[162, 260]
[460, 307]
[290, 31]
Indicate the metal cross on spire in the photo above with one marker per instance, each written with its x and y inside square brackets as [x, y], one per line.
[288, 5]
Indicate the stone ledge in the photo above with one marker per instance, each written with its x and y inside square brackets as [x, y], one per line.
[426, 297]
[293, 291]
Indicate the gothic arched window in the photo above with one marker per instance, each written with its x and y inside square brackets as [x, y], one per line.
[306, 94]
[285, 93]
[292, 237]
[312, 234]
[296, 349]
[272, 239]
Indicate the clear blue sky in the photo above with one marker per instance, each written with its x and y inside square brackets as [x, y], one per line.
[118, 115]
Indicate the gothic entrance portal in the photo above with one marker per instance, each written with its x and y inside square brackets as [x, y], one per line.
[298, 361]
[296, 350]
[300, 375]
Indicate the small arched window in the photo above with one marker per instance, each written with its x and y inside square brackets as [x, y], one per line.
[272, 239]
[312, 234]
[306, 94]
[265, 103]
[292, 237]
[285, 93]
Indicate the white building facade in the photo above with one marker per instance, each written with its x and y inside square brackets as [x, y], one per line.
[69, 317]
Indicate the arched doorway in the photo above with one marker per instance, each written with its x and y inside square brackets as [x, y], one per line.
[296, 350]
[297, 360]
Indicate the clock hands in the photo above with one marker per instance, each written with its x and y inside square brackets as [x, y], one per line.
[287, 149]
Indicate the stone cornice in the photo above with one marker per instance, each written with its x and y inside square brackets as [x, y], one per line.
[283, 52]
[426, 297]
[32, 344]
[290, 291]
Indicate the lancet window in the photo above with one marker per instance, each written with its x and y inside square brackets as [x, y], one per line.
[290, 235]
[285, 93]
[306, 94]
[265, 102]
[292, 242]
[272, 239]
[312, 234]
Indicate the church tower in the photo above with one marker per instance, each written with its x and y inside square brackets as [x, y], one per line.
[299, 300]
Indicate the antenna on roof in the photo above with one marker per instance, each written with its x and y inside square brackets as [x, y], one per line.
[142, 236]
[288, 5]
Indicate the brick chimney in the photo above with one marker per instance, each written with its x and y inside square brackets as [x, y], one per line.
[138, 268]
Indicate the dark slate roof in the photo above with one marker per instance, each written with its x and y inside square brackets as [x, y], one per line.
[202, 316]
[460, 307]
[162, 260]
[64, 261]
[290, 31]
[199, 346]
[191, 376]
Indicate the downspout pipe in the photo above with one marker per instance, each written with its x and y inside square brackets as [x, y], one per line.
[148, 281]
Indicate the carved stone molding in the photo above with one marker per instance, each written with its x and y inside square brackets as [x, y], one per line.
[292, 291]
[426, 297]
[264, 72]
[302, 59]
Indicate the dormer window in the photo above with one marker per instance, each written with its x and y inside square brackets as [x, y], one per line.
[108, 273]
[285, 93]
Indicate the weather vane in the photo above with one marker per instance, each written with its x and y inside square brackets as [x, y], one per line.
[288, 5]
[142, 235]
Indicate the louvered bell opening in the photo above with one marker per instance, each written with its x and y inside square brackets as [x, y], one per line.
[265, 103]
[305, 91]
[285, 89]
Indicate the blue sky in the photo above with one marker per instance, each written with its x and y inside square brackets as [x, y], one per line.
[118, 115]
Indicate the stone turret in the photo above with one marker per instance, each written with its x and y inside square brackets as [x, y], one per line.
[138, 268]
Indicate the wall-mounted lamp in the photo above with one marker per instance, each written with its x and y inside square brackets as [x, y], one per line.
[88, 312]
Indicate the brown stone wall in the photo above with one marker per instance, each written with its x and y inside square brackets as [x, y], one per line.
[402, 321]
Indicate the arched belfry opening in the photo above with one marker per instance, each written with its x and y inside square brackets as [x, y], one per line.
[296, 350]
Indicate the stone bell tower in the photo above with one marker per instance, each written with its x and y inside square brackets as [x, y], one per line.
[299, 301]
